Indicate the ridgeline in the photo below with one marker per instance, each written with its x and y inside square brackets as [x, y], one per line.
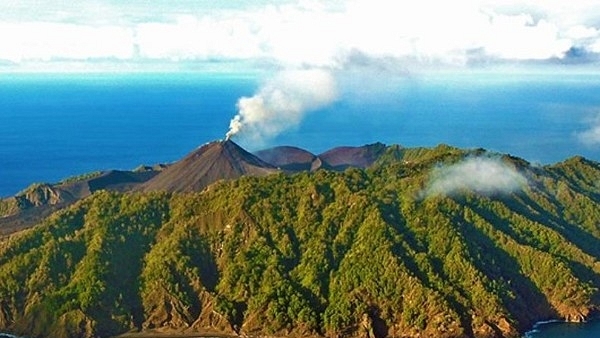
[348, 244]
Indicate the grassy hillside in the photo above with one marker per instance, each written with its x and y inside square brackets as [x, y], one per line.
[418, 250]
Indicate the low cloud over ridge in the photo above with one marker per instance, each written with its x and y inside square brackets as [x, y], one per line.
[591, 136]
[483, 175]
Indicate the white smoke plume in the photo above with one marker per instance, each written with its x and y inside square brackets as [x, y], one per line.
[281, 103]
[483, 175]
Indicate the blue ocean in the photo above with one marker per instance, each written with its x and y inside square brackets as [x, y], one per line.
[566, 330]
[56, 126]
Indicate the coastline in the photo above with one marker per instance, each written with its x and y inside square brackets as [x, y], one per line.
[536, 327]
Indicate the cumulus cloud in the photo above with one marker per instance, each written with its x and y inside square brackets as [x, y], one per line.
[192, 38]
[50, 40]
[520, 37]
[301, 33]
[482, 175]
[281, 103]
[591, 136]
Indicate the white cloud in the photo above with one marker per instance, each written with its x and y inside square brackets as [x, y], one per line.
[580, 32]
[482, 175]
[50, 40]
[519, 37]
[315, 33]
[591, 136]
[202, 38]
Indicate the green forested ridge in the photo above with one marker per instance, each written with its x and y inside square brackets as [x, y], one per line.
[308, 254]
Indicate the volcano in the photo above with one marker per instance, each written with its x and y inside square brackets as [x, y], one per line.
[291, 159]
[214, 161]
[341, 158]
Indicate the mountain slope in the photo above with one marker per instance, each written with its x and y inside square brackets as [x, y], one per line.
[39, 200]
[211, 162]
[292, 159]
[341, 158]
[311, 253]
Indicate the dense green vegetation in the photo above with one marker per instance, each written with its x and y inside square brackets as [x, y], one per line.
[308, 254]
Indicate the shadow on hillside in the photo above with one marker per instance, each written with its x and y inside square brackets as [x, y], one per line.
[392, 216]
[529, 302]
[587, 243]
[573, 233]
[380, 328]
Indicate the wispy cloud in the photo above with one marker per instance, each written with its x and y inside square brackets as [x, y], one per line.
[483, 175]
[591, 136]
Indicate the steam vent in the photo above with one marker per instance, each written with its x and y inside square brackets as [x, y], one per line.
[211, 162]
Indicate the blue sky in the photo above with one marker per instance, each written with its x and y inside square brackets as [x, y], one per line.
[103, 35]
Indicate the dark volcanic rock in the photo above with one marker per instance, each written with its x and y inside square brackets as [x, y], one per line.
[288, 158]
[293, 159]
[210, 163]
[43, 194]
[113, 180]
[118, 180]
[40, 200]
[344, 157]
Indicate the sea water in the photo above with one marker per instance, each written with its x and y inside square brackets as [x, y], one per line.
[56, 126]
[565, 330]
